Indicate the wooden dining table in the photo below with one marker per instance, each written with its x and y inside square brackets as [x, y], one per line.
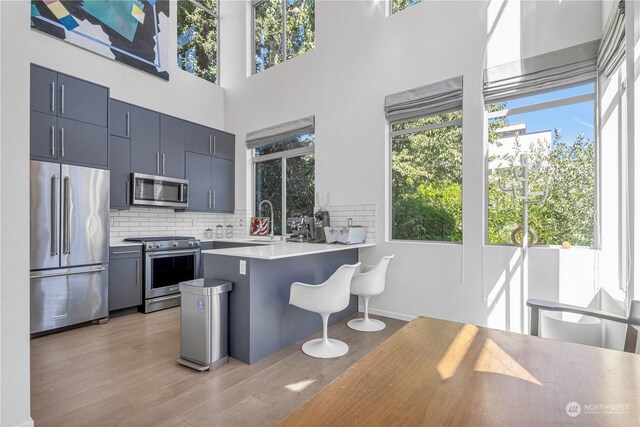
[437, 372]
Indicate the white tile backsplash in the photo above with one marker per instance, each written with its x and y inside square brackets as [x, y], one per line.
[360, 214]
[159, 221]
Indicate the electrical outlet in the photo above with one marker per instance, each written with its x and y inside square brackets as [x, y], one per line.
[243, 267]
[350, 222]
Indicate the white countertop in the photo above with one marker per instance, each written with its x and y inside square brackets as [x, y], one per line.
[116, 242]
[253, 241]
[283, 250]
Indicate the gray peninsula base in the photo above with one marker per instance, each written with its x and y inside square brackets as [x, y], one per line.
[261, 321]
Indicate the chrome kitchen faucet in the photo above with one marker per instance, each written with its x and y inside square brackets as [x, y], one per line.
[271, 211]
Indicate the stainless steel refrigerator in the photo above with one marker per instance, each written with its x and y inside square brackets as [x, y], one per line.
[69, 245]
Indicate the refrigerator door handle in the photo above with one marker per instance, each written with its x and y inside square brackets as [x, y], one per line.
[66, 219]
[54, 215]
[88, 270]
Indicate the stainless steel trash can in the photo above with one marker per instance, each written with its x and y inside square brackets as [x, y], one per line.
[204, 323]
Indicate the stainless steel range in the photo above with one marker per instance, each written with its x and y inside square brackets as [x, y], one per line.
[168, 260]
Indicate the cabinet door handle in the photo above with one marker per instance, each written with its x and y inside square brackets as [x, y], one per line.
[158, 163]
[53, 97]
[163, 158]
[214, 199]
[126, 192]
[209, 197]
[137, 273]
[210, 144]
[61, 99]
[214, 144]
[128, 125]
[125, 252]
[52, 137]
[62, 142]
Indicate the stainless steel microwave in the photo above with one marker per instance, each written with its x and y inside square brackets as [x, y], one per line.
[152, 190]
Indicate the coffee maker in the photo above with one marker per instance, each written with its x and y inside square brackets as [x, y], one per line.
[321, 217]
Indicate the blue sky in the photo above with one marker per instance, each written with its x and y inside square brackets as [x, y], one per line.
[571, 119]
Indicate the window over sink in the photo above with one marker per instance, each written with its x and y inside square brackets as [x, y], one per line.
[284, 174]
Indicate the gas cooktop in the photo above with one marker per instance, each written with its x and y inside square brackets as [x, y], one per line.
[158, 238]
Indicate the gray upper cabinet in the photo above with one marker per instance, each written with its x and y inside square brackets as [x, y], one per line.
[119, 119]
[43, 136]
[198, 139]
[204, 140]
[223, 179]
[69, 119]
[171, 147]
[82, 101]
[145, 141]
[198, 170]
[120, 167]
[83, 144]
[44, 86]
[224, 146]
[211, 183]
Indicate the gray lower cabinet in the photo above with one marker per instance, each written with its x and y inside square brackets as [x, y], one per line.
[119, 119]
[211, 183]
[145, 141]
[172, 147]
[120, 167]
[125, 277]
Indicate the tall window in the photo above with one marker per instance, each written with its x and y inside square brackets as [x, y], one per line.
[198, 38]
[555, 131]
[284, 174]
[282, 29]
[426, 187]
[398, 5]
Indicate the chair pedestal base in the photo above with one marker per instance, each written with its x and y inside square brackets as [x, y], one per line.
[366, 325]
[324, 349]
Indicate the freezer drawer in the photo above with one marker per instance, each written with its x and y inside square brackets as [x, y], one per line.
[68, 296]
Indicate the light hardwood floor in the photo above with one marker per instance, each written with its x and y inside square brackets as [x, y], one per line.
[124, 373]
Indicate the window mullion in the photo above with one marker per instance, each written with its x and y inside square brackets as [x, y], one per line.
[284, 30]
[283, 219]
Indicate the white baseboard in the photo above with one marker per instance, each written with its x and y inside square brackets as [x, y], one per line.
[28, 423]
[389, 314]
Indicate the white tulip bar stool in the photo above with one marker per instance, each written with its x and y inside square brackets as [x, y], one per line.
[367, 284]
[328, 297]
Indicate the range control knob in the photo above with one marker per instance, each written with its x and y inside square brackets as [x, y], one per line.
[150, 246]
[174, 244]
[191, 243]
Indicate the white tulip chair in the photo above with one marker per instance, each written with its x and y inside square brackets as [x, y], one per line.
[366, 284]
[328, 297]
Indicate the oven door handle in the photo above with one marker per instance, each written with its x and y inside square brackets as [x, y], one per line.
[171, 253]
[165, 298]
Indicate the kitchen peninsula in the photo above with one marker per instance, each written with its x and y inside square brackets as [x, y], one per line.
[261, 321]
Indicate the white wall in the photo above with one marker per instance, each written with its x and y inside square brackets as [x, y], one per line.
[360, 56]
[14, 218]
[184, 95]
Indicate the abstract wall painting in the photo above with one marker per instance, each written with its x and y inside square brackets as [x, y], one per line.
[133, 32]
